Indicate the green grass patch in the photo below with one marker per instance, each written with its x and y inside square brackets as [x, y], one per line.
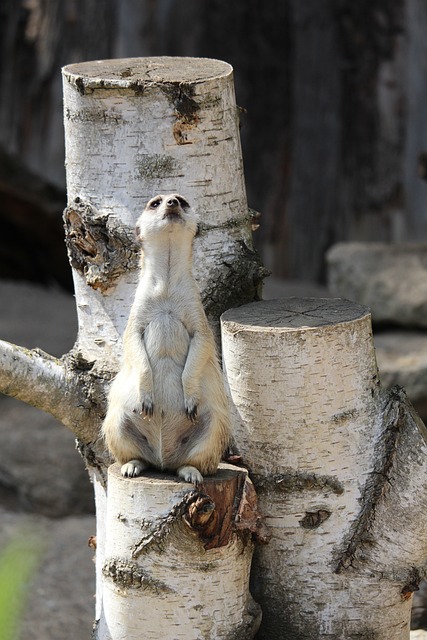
[18, 563]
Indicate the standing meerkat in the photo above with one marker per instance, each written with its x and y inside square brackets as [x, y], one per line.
[167, 406]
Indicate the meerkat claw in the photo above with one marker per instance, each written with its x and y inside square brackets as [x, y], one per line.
[192, 415]
[190, 474]
[132, 469]
[147, 409]
[191, 410]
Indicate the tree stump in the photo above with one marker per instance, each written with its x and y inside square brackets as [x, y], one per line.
[340, 468]
[177, 559]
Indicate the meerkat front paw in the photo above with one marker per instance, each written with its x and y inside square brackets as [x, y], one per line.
[190, 474]
[191, 408]
[133, 468]
[146, 406]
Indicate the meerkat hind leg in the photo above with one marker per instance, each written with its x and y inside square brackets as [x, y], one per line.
[190, 474]
[133, 468]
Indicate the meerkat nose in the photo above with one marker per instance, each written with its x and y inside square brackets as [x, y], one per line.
[172, 202]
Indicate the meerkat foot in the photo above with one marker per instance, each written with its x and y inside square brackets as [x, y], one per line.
[133, 468]
[190, 474]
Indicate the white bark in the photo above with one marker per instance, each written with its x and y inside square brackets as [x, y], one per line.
[44, 382]
[163, 578]
[135, 128]
[340, 468]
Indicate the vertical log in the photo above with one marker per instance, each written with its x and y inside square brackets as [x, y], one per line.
[340, 468]
[175, 564]
[134, 128]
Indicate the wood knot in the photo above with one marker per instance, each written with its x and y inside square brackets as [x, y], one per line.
[314, 519]
[200, 512]
[98, 246]
[201, 516]
[224, 508]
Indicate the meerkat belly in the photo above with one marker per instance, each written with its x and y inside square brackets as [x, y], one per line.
[169, 432]
[166, 337]
[167, 341]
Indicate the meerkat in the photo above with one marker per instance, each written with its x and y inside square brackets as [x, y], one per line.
[167, 407]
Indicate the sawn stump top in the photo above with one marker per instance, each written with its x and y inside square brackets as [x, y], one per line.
[295, 313]
[126, 72]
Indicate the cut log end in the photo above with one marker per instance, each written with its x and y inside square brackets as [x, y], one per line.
[134, 73]
[298, 369]
[221, 507]
[296, 313]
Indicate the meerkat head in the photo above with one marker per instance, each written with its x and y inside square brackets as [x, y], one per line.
[166, 214]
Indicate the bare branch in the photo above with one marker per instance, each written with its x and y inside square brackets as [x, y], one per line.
[45, 382]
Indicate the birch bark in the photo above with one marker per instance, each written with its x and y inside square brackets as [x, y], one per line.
[340, 467]
[134, 128]
[175, 567]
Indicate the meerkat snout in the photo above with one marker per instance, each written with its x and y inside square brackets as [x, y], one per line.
[172, 202]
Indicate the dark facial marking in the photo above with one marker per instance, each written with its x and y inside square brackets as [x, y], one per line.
[183, 202]
[156, 202]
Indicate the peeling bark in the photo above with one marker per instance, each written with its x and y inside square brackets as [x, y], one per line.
[99, 247]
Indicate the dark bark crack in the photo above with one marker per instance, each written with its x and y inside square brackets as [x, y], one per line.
[377, 484]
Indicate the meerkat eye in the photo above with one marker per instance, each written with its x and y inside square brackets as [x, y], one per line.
[155, 204]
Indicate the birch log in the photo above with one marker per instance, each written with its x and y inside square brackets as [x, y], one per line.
[135, 128]
[340, 467]
[176, 566]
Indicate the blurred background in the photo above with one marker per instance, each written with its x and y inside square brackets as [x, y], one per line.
[334, 120]
[333, 99]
